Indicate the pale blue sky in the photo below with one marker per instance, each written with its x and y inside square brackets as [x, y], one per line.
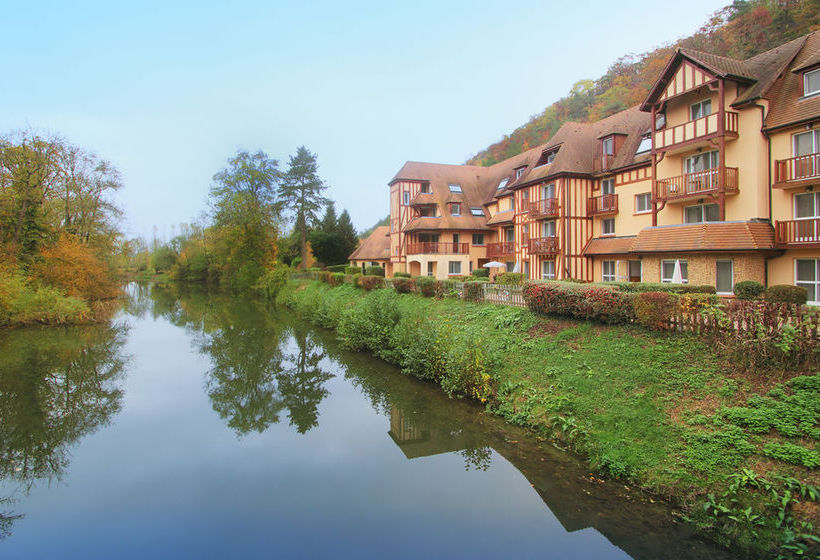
[169, 90]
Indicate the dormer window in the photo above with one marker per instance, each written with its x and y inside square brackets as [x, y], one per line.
[811, 82]
[427, 212]
[519, 172]
[546, 158]
[503, 183]
[476, 211]
[700, 109]
[645, 145]
[455, 188]
[425, 188]
[455, 209]
[608, 146]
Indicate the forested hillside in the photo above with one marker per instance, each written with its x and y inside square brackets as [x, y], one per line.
[740, 30]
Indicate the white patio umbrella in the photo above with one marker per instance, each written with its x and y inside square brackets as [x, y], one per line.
[493, 264]
[677, 275]
[517, 267]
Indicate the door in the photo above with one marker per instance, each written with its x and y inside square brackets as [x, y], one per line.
[634, 271]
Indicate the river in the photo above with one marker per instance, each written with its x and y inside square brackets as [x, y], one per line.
[201, 426]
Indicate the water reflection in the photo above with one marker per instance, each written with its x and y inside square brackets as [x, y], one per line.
[56, 386]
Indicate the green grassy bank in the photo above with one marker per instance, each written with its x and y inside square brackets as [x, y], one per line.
[737, 450]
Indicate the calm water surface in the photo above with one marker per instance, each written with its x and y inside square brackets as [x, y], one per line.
[203, 427]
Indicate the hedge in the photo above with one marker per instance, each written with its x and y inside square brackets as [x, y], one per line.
[510, 278]
[426, 286]
[336, 268]
[786, 293]
[402, 275]
[749, 290]
[661, 287]
[352, 270]
[336, 279]
[481, 273]
[367, 282]
[404, 285]
[374, 271]
[580, 301]
[655, 309]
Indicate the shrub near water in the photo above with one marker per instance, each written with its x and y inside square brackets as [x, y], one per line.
[22, 304]
[580, 301]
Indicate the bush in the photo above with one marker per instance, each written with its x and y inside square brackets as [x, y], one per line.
[402, 275]
[446, 288]
[374, 271]
[22, 304]
[662, 287]
[481, 272]
[369, 283]
[73, 268]
[655, 309]
[786, 293]
[352, 270]
[324, 276]
[749, 290]
[473, 291]
[336, 268]
[273, 280]
[426, 286]
[597, 303]
[510, 278]
[369, 324]
[337, 279]
[404, 285]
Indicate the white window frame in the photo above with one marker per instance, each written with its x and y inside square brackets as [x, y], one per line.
[483, 240]
[613, 273]
[450, 267]
[806, 75]
[547, 275]
[548, 191]
[702, 212]
[476, 211]
[553, 226]
[816, 281]
[645, 144]
[503, 183]
[603, 226]
[815, 141]
[700, 105]
[455, 209]
[455, 188]
[732, 267]
[673, 261]
[608, 146]
[648, 197]
[425, 188]
[519, 172]
[608, 186]
[405, 197]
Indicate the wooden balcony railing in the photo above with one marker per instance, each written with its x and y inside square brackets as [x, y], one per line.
[697, 129]
[543, 245]
[437, 248]
[797, 171]
[500, 249]
[696, 184]
[602, 162]
[798, 233]
[604, 204]
[547, 208]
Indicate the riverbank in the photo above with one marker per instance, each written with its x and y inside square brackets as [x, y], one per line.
[736, 450]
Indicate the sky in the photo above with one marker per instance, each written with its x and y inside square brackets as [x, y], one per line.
[168, 91]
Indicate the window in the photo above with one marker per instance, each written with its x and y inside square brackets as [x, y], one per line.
[806, 143]
[701, 162]
[455, 209]
[406, 197]
[510, 266]
[807, 275]
[547, 191]
[674, 270]
[546, 158]
[519, 172]
[548, 270]
[645, 145]
[548, 228]
[643, 203]
[700, 109]
[608, 186]
[476, 211]
[635, 271]
[608, 271]
[512, 202]
[701, 213]
[724, 277]
[526, 232]
[456, 239]
[431, 268]
[811, 82]
[608, 146]
[509, 235]
[455, 187]
[608, 226]
[425, 188]
[807, 205]
[454, 267]
[526, 269]
[503, 183]
[478, 239]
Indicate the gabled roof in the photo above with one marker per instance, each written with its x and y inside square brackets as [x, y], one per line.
[705, 237]
[787, 104]
[609, 245]
[375, 248]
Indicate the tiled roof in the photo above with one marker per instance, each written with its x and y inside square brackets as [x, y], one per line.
[787, 103]
[705, 237]
[722, 66]
[375, 248]
[767, 67]
[501, 218]
[447, 222]
[609, 245]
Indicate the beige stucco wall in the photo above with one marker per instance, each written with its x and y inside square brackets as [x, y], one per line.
[702, 267]
[781, 269]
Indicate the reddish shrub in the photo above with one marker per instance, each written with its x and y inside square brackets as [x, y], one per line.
[369, 283]
[582, 302]
[655, 309]
[404, 285]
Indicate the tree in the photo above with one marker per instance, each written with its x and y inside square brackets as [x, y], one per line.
[334, 239]
[347, 232]
[329, 220]
[301, 194]
[245, 217]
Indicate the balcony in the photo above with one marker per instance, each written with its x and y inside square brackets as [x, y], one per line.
[800, 171]
[437, 248]
[602, 205]
[696, 185]
[602, 162]
[797, 234]
[502, 249]
[543, 246]
[423, 199]
[695, 131]
[547, 208]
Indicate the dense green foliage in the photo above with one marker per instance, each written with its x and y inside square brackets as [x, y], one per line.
[749, 289]
[641, 405]
[334, 238]
[786, 293]
[740, 30]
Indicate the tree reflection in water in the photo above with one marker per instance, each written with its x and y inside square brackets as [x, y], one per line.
[261, 365]
[56, 386]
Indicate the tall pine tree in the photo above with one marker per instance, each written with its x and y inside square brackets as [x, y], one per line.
[300, 194]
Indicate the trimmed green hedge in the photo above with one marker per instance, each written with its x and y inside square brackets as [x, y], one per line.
[374, 271]
[786, 293]
[749, 290]
[402, 275]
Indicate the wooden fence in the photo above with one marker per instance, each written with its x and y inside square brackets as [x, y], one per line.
[750, 317]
